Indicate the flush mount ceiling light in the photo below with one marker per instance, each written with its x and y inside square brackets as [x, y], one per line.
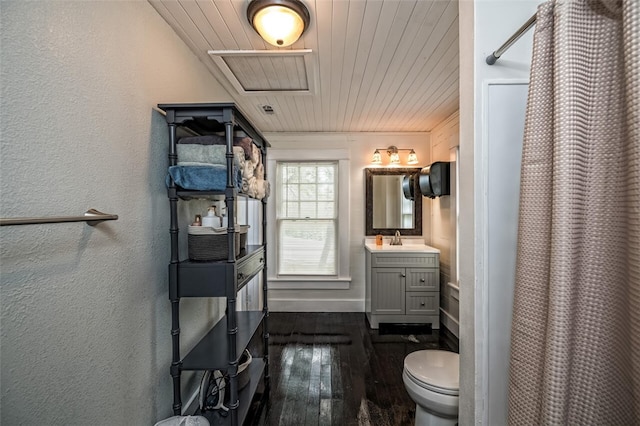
[394, 156]
[279, 22]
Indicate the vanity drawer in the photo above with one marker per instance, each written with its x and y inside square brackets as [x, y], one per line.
[422, 303]
[423, 279]
[249, 265]
[395, 260]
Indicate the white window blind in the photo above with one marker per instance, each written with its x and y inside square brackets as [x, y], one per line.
[307, 218]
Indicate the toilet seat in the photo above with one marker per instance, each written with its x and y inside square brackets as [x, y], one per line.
[434, 370]
[430, 387]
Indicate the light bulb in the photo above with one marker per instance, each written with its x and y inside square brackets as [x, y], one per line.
[278, 25]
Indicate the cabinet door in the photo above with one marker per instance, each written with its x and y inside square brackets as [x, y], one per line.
[422, 279]
[387, 290]
[423, 303]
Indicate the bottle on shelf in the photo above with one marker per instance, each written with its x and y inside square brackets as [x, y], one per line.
[211, 219]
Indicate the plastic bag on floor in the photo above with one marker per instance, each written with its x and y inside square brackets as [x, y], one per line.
[184, 421]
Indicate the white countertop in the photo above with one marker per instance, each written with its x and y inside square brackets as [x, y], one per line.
[407, 247]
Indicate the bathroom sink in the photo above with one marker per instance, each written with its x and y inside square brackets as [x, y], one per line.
[407, 246]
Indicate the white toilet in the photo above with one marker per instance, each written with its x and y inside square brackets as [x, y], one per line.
[432, 380]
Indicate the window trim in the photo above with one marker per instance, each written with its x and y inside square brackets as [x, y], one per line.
[285, 217]
[320, 282]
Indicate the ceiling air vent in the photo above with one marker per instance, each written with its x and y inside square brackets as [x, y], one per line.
[268, 109]
[267, 72]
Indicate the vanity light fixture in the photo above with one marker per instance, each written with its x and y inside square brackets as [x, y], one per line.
[279, 22]
[412, 158]
[394, 156]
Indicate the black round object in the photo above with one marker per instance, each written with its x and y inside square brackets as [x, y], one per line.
[408, 185]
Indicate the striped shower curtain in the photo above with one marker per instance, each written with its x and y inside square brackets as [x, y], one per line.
[575, 345]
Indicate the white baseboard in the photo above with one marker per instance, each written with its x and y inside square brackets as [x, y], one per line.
[298, 284]
[316, 305]
[450, 323]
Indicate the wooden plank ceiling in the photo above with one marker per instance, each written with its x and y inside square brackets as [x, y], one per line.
[376, 65]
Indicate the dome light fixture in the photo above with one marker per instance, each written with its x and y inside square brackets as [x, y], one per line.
[279, 22]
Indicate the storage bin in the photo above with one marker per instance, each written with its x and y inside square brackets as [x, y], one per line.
[208, 244]
[243, 230]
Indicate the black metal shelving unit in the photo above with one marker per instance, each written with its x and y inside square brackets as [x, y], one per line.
[222, 346]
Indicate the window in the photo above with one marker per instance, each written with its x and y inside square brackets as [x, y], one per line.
[307, 218]
[308, 236]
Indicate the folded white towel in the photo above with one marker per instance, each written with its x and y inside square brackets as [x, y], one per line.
[248, 169]
[259, 172]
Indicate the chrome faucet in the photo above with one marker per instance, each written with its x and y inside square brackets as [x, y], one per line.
[396, 241]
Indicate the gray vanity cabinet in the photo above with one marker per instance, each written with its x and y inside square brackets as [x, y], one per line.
[402, 287]
[387, 291]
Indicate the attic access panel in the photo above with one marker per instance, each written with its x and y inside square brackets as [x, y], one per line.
[264, 72]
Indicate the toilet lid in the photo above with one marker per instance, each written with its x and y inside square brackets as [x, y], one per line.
[434, 368]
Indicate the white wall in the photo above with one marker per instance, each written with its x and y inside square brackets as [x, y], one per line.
[444, 146]
[361, 147]
[85, 310]
[484, 26]
[505, 106]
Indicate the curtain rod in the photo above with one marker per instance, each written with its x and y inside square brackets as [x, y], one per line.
[491, 59]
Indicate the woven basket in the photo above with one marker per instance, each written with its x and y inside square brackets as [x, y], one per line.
[243, 231]
[207, 244]
[243, 372]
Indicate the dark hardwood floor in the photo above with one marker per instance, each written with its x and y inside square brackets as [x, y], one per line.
[332, 369]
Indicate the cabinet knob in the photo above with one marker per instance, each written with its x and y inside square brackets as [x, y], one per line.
[421, 303]
[240, 276]
[261, 260]
[421, 280]
[403, 275]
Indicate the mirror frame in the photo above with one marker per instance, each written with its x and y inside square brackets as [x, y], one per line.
[417, 202]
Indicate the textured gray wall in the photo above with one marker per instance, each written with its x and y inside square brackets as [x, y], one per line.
[85, 314]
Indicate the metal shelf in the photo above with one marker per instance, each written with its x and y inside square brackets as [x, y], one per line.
[212, 352]
[216, 279]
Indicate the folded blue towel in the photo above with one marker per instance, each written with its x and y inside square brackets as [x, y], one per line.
[211, 177]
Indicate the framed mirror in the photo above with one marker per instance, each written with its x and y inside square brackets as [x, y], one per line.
[386, 208]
